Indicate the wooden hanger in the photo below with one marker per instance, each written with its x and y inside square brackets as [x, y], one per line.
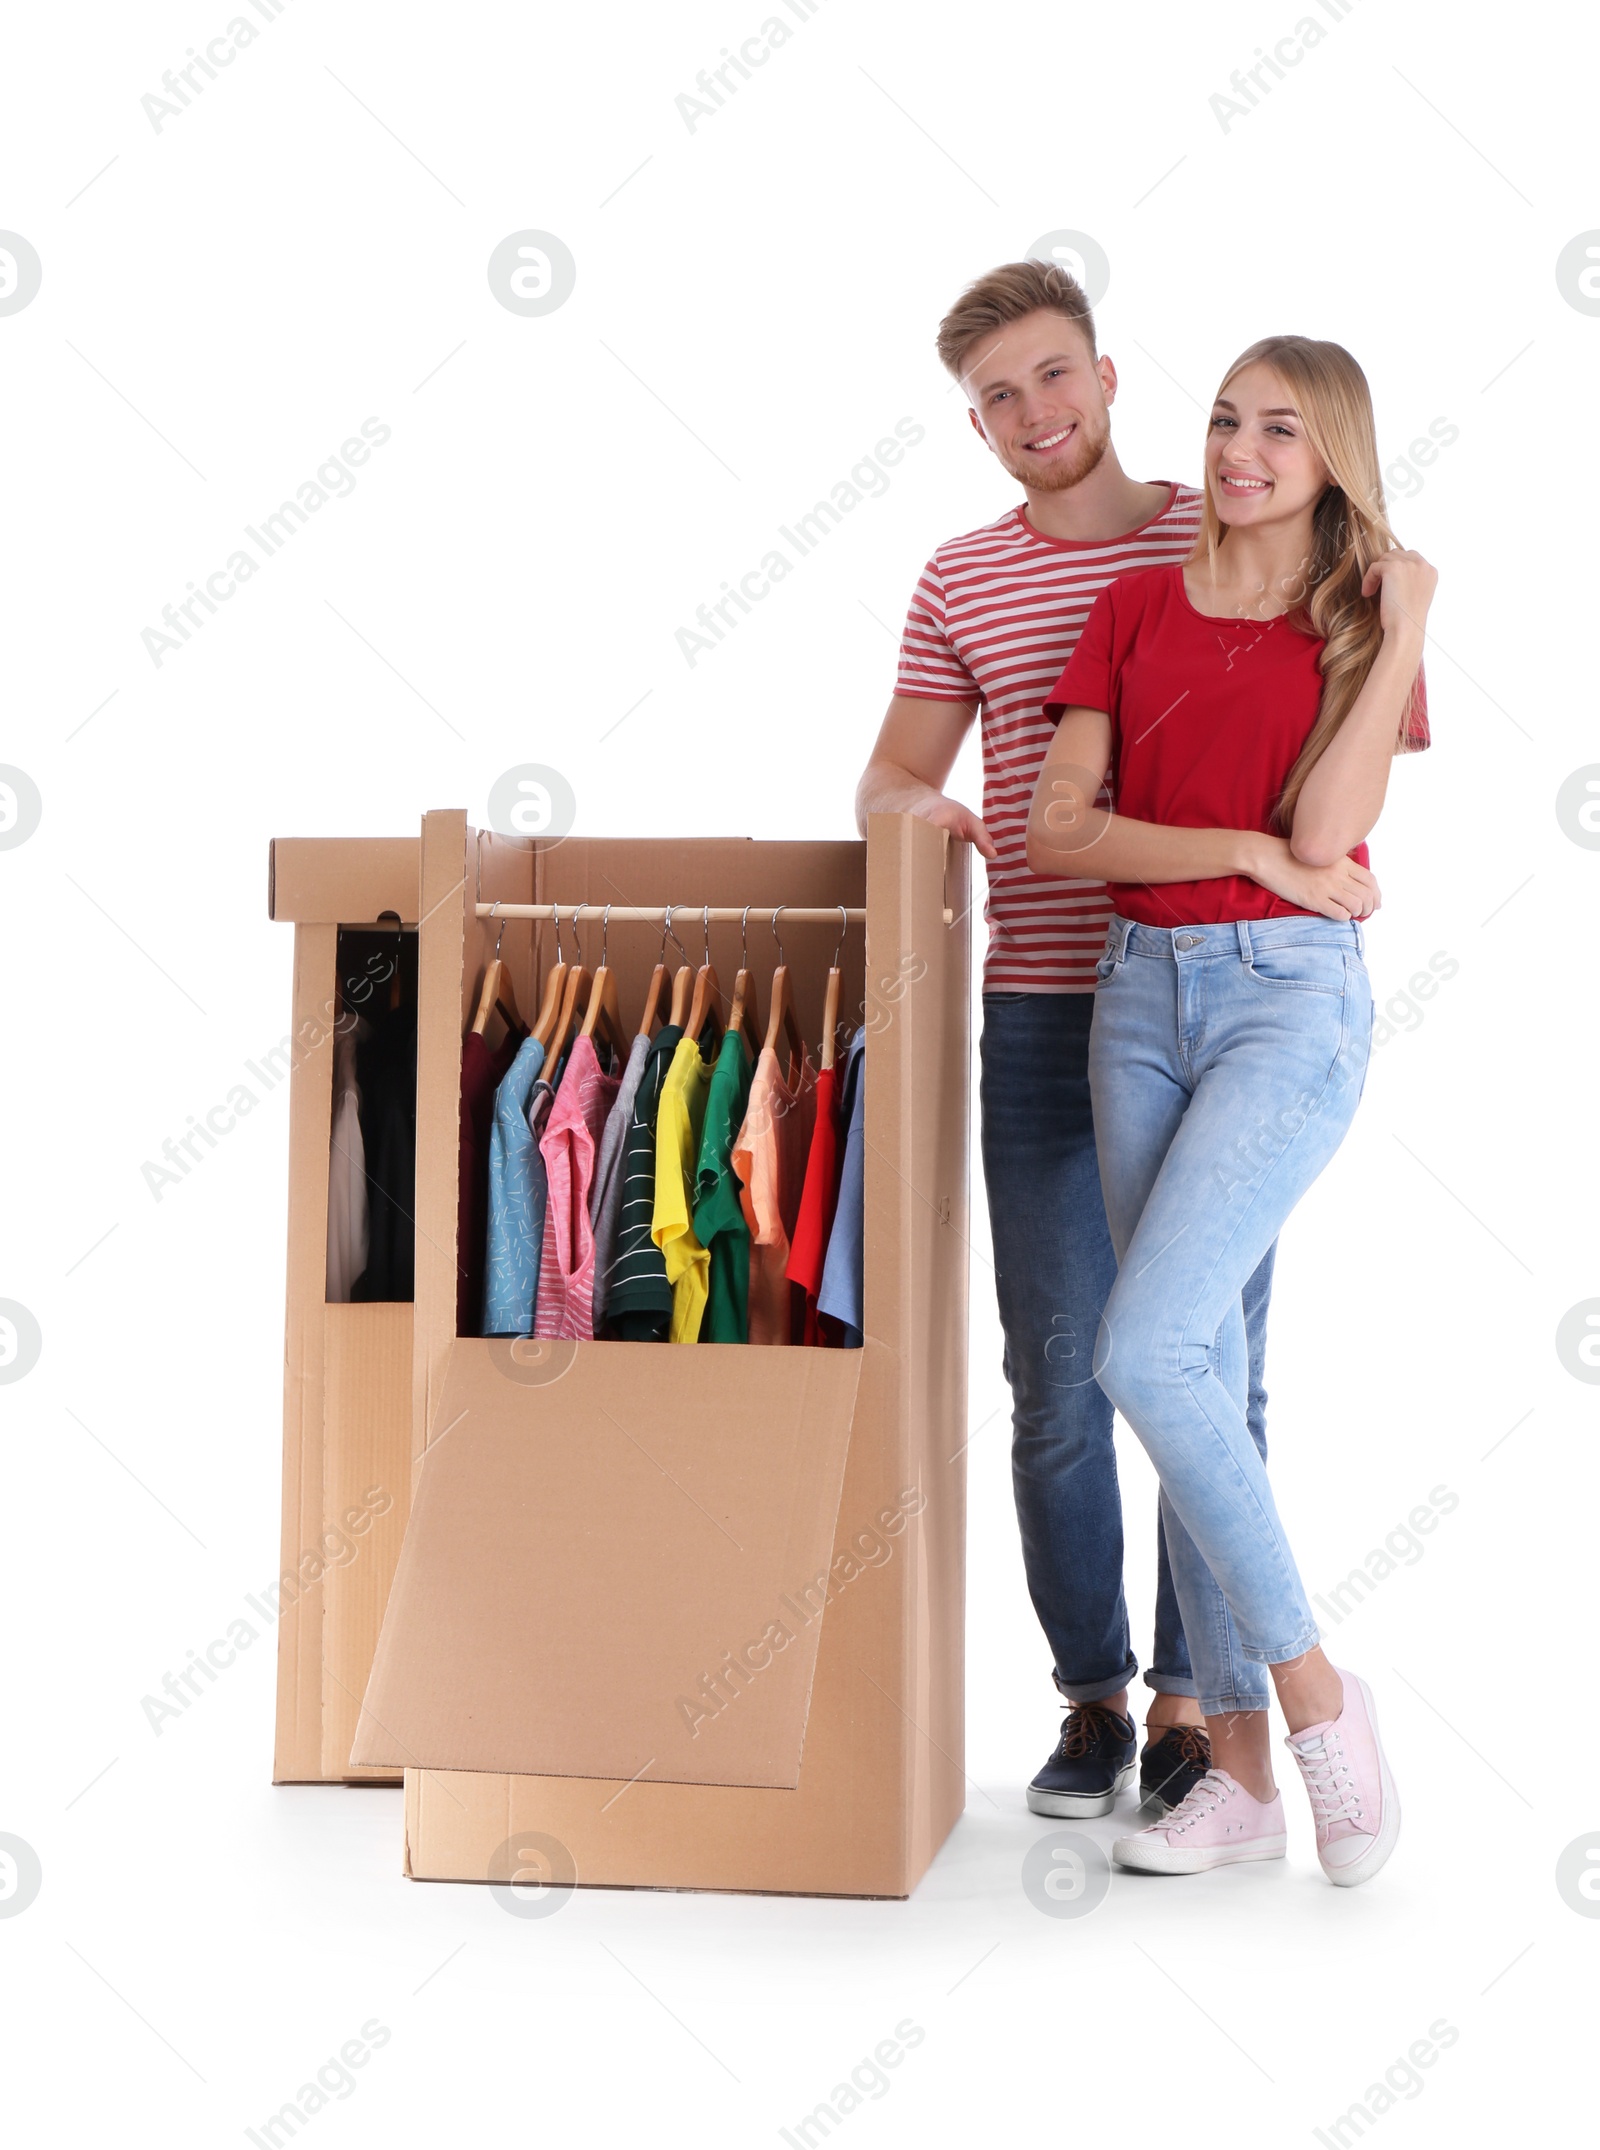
[682, 979]
[604, 1016]
[743, 1014]
[550, 1006]
[830, 1003]
[780, 1016]
[652, 1000]
[707, 1003]
[555, 986]
[658, 978]
[497, 991]
[576, 988]
[605, 1011]
[682, 991]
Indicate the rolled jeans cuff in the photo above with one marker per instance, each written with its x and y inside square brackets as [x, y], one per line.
[1097, 1690]
[1170, 1683]
[1288, 1651]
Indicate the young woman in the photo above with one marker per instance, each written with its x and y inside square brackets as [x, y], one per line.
[1247, 705]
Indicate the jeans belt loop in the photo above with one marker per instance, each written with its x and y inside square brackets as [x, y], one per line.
[1242, 927]
[1361, 939]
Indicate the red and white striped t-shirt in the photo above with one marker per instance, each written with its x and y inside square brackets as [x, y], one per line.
[995, 617]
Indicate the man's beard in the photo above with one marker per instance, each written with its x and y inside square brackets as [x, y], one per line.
[1059, 477]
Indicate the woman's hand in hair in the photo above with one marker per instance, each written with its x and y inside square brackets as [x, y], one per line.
[1403, 583]
[1342, 890]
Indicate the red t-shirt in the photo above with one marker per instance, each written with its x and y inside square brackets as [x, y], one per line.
[819, 1196]
[996, 615]
[1207, 717]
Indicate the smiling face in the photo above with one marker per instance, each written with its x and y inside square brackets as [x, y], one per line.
[1260, 467]
[1040, 400]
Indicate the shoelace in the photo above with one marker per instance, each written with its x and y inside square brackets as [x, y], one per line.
[1329, 1779]
[1197, 1802]
[1086, 1725]
[1194, 1742]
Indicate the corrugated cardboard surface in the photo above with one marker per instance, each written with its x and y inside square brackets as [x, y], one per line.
[342, 880]
[366, 1466]
[881, 1779]
[611, 1547]
[347, 1399]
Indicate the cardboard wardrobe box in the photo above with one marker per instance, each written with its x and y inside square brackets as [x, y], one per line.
[346, 1368]
[693, 1617]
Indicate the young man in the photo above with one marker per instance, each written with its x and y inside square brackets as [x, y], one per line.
[994, 619]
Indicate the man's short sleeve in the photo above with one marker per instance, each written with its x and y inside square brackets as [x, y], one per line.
[1090, 676]
[930, 668]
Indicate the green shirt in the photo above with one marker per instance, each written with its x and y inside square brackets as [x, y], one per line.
[719, 1219]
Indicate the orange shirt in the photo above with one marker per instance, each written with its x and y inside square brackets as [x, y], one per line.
[769, 1158]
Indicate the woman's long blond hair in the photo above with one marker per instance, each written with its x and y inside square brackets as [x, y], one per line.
[1350, 529]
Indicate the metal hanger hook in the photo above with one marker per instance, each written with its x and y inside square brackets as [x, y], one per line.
[744, 939]
[500, 936]
[605, 929]
[705, 928]
[777, 914]
[668, 934]
[844, 927]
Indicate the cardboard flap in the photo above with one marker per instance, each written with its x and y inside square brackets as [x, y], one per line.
[342, 880]
[616, 1563]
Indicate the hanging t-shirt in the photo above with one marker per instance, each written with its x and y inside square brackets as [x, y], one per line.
[386, 1071]
[605, 1191]
[680, 1120]
[839, 1301]
[481, 1075]
[347, 1171]
[719, 1219]
[567, 1146]
[769, 1155]
[637, 1297]
[516, 1200]
[819, 1191]
[1208, 716]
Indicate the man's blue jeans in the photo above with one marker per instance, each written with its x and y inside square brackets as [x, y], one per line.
[1054, 1268]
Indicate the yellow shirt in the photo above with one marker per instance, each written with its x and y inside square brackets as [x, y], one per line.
[680, 1116]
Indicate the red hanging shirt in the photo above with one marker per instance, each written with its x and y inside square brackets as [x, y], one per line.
[808, 1244]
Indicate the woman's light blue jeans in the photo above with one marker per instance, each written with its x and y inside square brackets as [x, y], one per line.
[1225, 1064]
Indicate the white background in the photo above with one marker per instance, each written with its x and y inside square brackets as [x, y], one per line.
[305, 247]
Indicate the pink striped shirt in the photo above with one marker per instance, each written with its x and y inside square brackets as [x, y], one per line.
[565, 1304]
[995, 617]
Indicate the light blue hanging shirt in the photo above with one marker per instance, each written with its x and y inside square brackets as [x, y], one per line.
[517, 1188]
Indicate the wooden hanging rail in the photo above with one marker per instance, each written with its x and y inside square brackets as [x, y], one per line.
[685, 914]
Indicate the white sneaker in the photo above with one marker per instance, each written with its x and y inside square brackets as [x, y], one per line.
[1217, 1823]
[1353, 1799]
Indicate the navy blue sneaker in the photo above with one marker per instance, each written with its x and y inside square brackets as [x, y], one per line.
[1175, 1758]
[1093, 1761]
